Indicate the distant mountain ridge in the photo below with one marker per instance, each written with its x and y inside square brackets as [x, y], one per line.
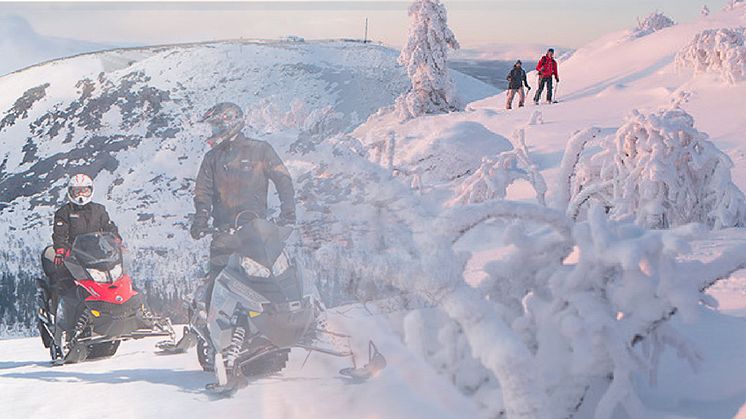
[21, 46]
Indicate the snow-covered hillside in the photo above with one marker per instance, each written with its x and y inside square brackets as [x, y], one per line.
[520, 309]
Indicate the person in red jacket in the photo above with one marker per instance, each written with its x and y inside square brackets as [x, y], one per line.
[547, 67]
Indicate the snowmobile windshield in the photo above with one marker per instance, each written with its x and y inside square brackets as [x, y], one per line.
[97, 251]
[263, 241]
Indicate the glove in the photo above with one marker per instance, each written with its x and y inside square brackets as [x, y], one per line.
[120, 243]
[529, 88]
[199, 225]
[59, 256]
[198, 231]
[286, 219]
[557, 79]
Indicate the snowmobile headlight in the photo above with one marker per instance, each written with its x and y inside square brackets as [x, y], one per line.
[98, 276]
[116, 272]
[254, 268]
[281, 265]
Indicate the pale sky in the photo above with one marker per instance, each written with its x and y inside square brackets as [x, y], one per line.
[562, 23]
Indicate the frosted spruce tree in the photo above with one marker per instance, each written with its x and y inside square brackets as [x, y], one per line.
[425, 57]
[654, 22]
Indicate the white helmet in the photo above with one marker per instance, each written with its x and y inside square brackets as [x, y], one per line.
[80, 189]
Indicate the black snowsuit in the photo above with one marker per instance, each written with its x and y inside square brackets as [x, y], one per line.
[60, 291]
[517, 78]
[233, 178]
[72, 220]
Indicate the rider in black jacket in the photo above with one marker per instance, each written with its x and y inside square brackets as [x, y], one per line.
[78, 216]
[234, 179]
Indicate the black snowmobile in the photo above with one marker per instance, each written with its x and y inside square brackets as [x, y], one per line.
[259, 310]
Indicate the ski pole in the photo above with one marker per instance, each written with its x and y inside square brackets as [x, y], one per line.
[556, 95]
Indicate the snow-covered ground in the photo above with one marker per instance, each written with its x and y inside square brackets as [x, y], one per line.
[138, 383]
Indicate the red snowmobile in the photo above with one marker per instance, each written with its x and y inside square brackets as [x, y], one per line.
[111, 310]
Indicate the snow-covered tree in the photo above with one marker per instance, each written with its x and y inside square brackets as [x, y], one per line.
[720, 51]
[652, 23]
[425, 58]
[659, 170]
[733, 4]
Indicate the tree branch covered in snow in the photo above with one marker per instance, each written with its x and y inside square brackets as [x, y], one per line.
[425, 58]
[578, 317]
[658, 170]
[492, 179]
[574, 148]
[719, 51]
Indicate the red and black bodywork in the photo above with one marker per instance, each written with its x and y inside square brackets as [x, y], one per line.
[111, 309]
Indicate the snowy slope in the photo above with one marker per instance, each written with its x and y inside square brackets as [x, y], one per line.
[600, 84]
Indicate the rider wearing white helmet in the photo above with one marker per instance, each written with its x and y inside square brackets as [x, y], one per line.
[80, 189]
[77, 216]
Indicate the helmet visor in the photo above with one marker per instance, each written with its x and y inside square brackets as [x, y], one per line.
[81, 191]
[218, 129]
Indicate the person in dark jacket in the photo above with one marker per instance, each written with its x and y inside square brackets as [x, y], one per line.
[78, 216]
[516, 81]
[547, 67]
[233, 180]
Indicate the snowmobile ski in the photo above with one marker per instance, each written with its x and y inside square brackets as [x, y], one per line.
[187, 341]
[376, 363]
[228, 389]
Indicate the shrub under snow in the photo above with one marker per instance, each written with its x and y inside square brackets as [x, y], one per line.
[720, 51]
[439, 155]
[653, 23]
[425, 59]
[660, 171]
[492, 179]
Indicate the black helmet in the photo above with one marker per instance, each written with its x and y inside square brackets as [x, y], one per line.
[226, 120]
